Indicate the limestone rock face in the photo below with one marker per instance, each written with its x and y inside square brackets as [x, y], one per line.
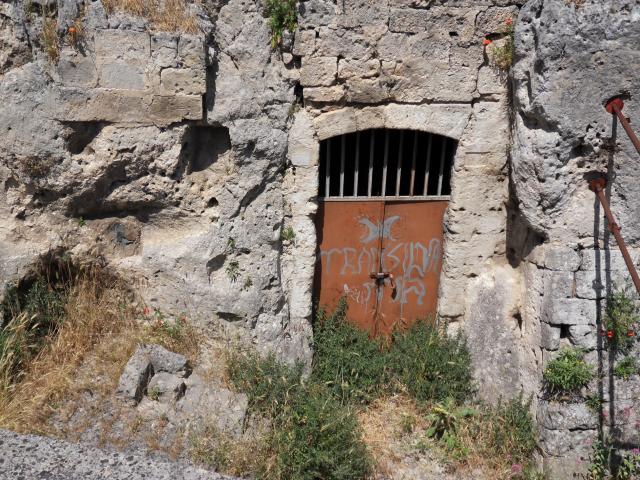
[162, 152]
[571, 57]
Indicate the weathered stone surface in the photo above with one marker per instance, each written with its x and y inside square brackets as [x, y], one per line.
[30, 456]
[165, 387]
[164, 360]
[318, 71]
[569, 311]
[135, 377]
[566, 416]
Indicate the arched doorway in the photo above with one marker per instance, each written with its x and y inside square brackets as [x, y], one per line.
[382, 198]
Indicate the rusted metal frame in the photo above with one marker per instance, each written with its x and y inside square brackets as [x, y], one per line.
[370, 177]
[342, 155]
[598, 187]
[390, 198]
[427, 165]
[413, 163]
[441, 169]
[615, 107]
[357, 166]
[385, 162]
[399, 166]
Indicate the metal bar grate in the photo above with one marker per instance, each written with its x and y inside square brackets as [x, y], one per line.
[386, 163]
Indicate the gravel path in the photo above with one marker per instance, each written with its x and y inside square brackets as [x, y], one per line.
[27, 457]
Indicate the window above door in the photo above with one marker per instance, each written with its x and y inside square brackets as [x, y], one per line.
[386, 164]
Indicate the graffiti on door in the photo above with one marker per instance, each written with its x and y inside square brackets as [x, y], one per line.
[408, 261]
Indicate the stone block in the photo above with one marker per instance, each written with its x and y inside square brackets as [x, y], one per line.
[561, 258]
[164, 49]
[408, 20]
[493, 20]
[75, 70]
[566, 416]
[106, 105]
[167, 109]
[607, 259]
[324, 94]
[550, 337]
[558, 284]
[358, 68]
[318, 71]
[135, 377]
[569, 311]
[366, 90]
[584, 336]
[128, 45]
[594, 285]
[191, 51]
[187, 81]
[491, 81]
[304, 43]
[121, 75]
[166, 388]
[166, 361]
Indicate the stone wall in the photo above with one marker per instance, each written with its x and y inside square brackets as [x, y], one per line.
[570, 60]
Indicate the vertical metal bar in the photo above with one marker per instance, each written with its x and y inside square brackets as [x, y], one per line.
[441, 169]
[413, 162]
[357, 169]
[342, 152]
[384, 165]
[427, 165]
[370, 178]
[399, 168]
[327, 176]
[598, 187]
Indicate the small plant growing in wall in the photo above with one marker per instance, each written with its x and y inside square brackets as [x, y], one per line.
[282, 17]
[288, 235]
[621, 321]
[501, 52]
[566, 374]
[50, 40]
[233, 270]
[626, 367]
[248, 283]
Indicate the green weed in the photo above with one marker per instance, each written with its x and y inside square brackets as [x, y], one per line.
[282, 16]
[288, 235]
[346, 360]
[566, 374]
[626, 367]
[431, 365]
[621, 320]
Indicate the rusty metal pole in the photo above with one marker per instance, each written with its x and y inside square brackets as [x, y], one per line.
[598, 187]
[615, 107]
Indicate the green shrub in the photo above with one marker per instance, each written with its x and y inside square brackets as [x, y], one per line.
[317, 438]
[346, 360]
[430, 364]
[282, 16]
[621, 320]
[626, 367]
[313, 436]
[513, 429]
[268, 383]
[567, 373]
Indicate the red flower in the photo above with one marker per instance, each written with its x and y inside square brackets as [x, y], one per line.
[630, 333]
[145, 311]
[610, 334]
[508, 21]
[72, 30]
[486, 42]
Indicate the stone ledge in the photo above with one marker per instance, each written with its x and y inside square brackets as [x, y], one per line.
[126, 106]
[31, 456]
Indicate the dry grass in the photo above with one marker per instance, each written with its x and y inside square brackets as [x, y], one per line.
[395, 429]
[163, 15]
[228, 454]
[85, 355]
[386, 423]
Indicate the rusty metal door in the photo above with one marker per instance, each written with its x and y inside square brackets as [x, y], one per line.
[381, 249]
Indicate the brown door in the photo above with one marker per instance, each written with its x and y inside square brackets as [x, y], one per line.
[383, 194]
[383, 257]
